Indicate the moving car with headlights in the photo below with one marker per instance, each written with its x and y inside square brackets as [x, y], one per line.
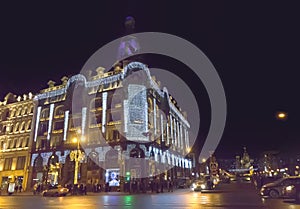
[55, 191]
[292, 191]
[202, 185]
[275, 189]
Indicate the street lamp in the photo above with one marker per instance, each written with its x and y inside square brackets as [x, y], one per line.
[77, 156]
[281, 115]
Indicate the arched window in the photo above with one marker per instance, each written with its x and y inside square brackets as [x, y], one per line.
[30, 109]
[38, 163]
[59, 111]
[19, 142]
[45, 113]
[11, 128]
[25, 142]
[13, 143]
[16, 128]
[9, 141]
[24, 110]
[28, 126]
[19, 111]
[22, 127]
[3, 130]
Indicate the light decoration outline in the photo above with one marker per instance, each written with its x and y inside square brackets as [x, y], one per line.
[66, 122]
[37, 122]
[114, 78]
[50, 120]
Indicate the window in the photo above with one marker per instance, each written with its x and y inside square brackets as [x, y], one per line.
[22, 126]
[58, 125]
[28, 126]
[96, 103]
[18, 111]
[24, 111]
[30, 109]
[16, 128]
[7, 164]
[59, 111]
[14, 143]
[25, 142]
[45, 113]
[19, 142]
[116, 135]
[56, 141]
[43, 128]
[21, 162]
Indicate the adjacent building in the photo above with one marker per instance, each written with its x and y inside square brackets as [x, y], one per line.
[16, 115]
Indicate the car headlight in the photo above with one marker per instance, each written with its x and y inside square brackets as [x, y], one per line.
[202, 186]
[289, 188]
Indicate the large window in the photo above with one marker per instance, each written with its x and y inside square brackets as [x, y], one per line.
[45, 113]
[21, 162]
[59, 111]
[7, 164]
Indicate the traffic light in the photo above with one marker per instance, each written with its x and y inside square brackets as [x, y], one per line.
[127, 176]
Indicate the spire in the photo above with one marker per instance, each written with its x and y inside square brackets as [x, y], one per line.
[129, 44]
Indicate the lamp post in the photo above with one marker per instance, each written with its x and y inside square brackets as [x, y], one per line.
[77, 156]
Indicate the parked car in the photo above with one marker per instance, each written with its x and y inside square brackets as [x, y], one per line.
[55, 191]
[275, 189]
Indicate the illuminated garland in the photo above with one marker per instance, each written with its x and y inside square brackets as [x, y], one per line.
[104, 103]
[83, 120]
[50, 120]
[37, 122]
[66, 124]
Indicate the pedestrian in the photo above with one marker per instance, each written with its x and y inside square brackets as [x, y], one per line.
[20, 188]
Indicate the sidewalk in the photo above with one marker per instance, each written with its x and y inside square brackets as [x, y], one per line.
[30, 193]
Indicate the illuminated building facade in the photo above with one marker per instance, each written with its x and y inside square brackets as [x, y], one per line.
[119, 116]
[16, 115]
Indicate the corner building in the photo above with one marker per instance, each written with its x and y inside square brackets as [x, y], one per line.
[126, 124]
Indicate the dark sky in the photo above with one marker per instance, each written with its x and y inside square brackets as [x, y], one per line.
[254, 46]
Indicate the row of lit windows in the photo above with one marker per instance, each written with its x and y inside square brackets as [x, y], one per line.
[8, 163]
[14, 143]
[21, 111]
[19, 127]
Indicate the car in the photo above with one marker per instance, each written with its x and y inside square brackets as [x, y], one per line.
[275, 189]
[202, 185]
[292, 192]
[55, 191]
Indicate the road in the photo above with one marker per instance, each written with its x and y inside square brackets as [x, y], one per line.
[228, 196]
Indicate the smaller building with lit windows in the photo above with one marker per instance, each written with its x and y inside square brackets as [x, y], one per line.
[16, 114]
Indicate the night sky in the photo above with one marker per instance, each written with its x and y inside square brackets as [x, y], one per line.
[254, 46]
